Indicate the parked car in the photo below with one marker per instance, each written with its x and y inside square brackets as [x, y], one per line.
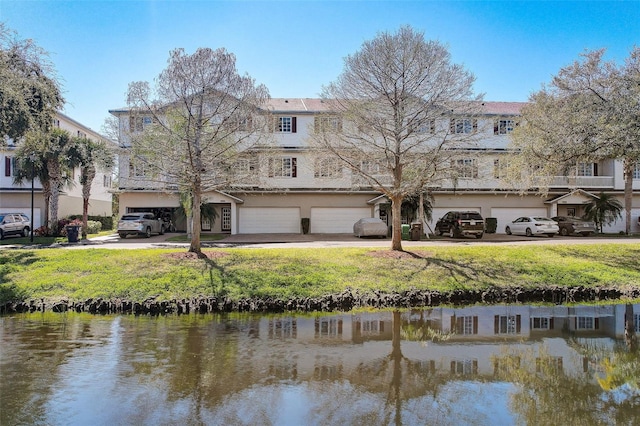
[144, 223]
[532, 225]
[14, 224]
[370, 227]
[461, 223]
[573, 226]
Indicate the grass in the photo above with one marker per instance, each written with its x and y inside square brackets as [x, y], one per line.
[282, 273]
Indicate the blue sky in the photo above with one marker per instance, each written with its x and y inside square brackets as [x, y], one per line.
[296, 47]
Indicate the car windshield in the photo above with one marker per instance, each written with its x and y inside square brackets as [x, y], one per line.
[130, 217]
[542, 219]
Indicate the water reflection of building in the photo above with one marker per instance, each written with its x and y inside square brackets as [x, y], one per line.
[463, 341]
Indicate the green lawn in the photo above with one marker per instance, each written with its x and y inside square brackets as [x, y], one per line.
[251, 272]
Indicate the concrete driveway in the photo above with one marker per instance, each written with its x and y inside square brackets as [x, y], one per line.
[334, 240]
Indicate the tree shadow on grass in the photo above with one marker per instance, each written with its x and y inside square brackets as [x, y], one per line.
[12, 261]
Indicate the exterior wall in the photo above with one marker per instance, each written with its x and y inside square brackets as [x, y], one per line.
[20, 202]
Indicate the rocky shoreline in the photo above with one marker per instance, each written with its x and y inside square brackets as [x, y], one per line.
[344, 301]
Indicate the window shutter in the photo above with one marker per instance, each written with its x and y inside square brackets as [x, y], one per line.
[339, 125]
[294, 167]
[339, 326]
[585, 364]
[474, 364]
[453, 324]
[496, 125]
[596, 323]
[496, 324]
[595, 169]
[518, 323]
[293, 124]
[475, 125]
[382, 326]
[475, 325]
[271, 160]
[316, 124]
[460, 325]
[452, 125]
[132, 124]
[7, 166]
[453, 367]
[551, 323]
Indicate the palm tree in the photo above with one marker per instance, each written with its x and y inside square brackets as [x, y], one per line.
[53, 163]
[605, 209]
[89, 155]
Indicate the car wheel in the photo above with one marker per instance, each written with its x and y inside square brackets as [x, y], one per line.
[162, 230]
[122, 235]
[452, 233]
[1, 235]
[586, 234]
[478, 236]
[25, 232]
[147, 232]
[528, 232]
[550, 235]
[507, 230]
[564, 232]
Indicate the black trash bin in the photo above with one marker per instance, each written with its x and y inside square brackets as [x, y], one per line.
[73, 231]
[416, 231]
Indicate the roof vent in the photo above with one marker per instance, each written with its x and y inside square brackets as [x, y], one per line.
[286, 101]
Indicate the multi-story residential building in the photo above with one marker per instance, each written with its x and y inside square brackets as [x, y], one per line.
[17, 197]
[294, 184]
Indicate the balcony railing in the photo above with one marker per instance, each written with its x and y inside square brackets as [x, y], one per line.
[604, 182]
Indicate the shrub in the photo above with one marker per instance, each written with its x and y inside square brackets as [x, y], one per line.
[93, 226]
[106, 221]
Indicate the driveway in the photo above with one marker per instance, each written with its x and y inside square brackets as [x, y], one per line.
[334, 240]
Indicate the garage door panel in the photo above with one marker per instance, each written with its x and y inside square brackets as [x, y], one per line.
[274, 220]
[336, 220]
[504, 215]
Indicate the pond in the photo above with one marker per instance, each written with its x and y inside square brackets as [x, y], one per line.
[481, 365]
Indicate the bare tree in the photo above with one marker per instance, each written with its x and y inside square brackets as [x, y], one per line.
[590, 111]
[392, 96]
[195, 125]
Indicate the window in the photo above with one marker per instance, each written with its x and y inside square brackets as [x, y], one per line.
[369, 167]
[226, 219]
[500, 168]
[280, 328]
[205, 224]
[284, 167]
[552, 364]
[463, 125]
[56, 123]
[327, 168]
[81, 134]
[137, 169]
[464, 324]
[137, 124]
[285, 125]
[7, 166]
[636, 170]
[586, 169]
[328, 327]
[427, 127]
[587, 323]
[636, 323]
[327, 124]
[106, 181]
[467, 168]
[507, 324]
[540, 323]
[464, 367]
[503, 127]
[246, 166]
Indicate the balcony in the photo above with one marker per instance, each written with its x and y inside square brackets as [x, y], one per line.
[599, 182]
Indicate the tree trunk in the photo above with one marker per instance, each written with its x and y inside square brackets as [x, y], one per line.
[196, 202]
[88, 174]
[396, 216]
[46, 194]
[628, 192]
[54, 179]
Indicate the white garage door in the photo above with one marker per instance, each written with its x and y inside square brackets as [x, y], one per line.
[507, 214]
[269, 220]
[336, 220]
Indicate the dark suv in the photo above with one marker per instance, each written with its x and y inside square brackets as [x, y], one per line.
[461, 223]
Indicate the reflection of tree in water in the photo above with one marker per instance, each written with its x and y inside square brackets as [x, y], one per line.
[402, 378]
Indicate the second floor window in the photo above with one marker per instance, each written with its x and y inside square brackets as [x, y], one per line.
[7, 166]
[467, 168]
[636, 170]
[500, 168]
[327, 168]
[283, 167]
[369, 167]
[137, 169]
[463, 125]
[507, 324]
[137, 124]
[586, 169]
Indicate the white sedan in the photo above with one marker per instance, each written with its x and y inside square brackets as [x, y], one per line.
[532, 225]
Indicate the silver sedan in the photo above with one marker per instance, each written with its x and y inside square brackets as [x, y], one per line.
[532, 225]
